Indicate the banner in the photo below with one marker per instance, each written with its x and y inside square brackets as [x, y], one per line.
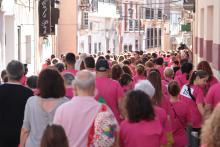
[44, 17]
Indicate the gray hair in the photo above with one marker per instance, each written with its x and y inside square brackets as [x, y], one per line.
[68, 78]
[15, 70]
[84, 80]
[146, 87]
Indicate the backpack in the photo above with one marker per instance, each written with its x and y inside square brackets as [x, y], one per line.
[103, 130]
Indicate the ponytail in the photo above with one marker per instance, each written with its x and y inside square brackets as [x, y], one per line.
[192, 78]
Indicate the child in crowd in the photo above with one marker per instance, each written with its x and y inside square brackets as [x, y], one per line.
[32, 84]
[68, 79]
[168, 76]
[140, 73]
[54, 136]
[183, 78]
[126, 82]
[141, 126]
[4, 77]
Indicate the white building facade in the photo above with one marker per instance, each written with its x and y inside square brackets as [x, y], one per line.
[17, 36]
[97, 27]
[143, 24]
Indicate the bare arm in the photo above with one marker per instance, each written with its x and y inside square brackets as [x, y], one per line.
[23, 136]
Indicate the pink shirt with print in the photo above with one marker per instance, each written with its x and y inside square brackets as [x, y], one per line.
[191, 104]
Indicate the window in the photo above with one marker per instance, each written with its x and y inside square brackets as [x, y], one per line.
[160, 35]
[147, 13]
[148, 38]
[89, 44]
[155, 37]
[152, 13]
[130, 48]
[131, 25]
[90, 26]
[94, 5]
[95, 48]
[85, 20]
[152, 37]
[159, 14]
[125, 48]
[100, 46]
[136, 44]
[136, 25]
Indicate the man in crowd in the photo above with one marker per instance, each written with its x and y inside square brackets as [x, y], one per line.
[13, 97]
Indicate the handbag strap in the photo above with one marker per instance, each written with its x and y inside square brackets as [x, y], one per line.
[177, 116]
[103, 108]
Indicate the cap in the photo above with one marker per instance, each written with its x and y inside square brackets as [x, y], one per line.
[102, 65]
[146, 87]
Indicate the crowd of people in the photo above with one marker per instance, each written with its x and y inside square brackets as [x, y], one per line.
[135, 99]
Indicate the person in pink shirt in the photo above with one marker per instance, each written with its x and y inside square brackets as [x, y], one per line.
[90, 64]
[32, 84]
[141, 128]
[24, 78]
[78, 116]
[70, 61]
[177, 70]
[211, 129]
[147, 88]
[159, 98]
[126, 82]
[116, 72]
[140, 73]
[149, 65]
[184, 77]
[212, 98]
[159, 65]
[168, 76]
[180, 117]
[192, 95]
[204, 65]
[68, 79]
[108, 91]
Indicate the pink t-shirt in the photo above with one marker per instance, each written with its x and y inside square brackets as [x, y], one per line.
[76, 117]
[23, 80]
[213, 96]
[179, 117]
[165, 84]
[178, 73]
[143, 133]
[197, 92]
[69, 92]
[73, 71]
[181, 80]
[162, 116]
[165, 104]
[161, 70]
[210, 83]
[112, 92]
